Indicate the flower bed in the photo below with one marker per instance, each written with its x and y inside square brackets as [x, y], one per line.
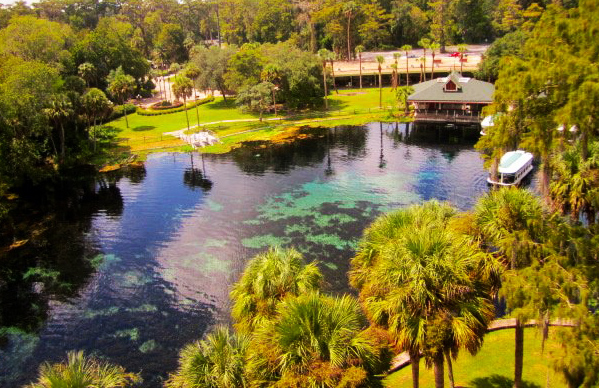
[180, 108]
[160, 105]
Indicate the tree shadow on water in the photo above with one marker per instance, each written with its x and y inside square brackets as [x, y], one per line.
[498, 381]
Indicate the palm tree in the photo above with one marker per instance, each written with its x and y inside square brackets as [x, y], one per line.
[269, 278]
[59, 110]
[396, 56]
[80, 371]
[462, 48]
[576, 180]
[95, 105]
[317, 341]
[332, 58]
[394, 76]
[359, 50]
[87, 71]
[218, 361]
[272, 74]
[407, 48]
[380, 60]
[193, 72]
[414, 272]
[324, 55]
[433, 46]
[424, 43]
[349, 8]
[402, 94]
[121, 85]
[513, 221]
[183, 87]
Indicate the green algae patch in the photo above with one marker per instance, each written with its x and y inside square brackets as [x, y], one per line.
[333, 219]
[328, 239]
[297, 228]
[144, 308]
[210, 264]
[214, 243]
[331, 266]
[214, 206]
[148, 346]
[132, 334]
[102, 312]
[265, 240]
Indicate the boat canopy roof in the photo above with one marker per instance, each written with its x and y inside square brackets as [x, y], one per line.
[489, 121]
[511, 162]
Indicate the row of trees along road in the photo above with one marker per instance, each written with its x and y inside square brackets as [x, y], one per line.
[427, 277]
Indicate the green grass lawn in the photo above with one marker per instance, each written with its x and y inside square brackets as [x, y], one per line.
[348, 101]
[145, 133]
[493, 366]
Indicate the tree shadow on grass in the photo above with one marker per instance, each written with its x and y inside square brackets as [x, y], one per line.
[219, 103]
[143, 128]
[498, 381]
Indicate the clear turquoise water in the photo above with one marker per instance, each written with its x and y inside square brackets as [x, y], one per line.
[167, 242]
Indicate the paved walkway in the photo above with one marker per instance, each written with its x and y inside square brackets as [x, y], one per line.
[403, 359]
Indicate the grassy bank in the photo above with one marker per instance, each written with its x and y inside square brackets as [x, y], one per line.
[146, 133]
[493, 366]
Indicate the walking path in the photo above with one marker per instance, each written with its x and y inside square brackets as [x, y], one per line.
[403, 359]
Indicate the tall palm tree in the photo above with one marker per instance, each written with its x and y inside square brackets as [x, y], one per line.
[394, 76]
[317, 341]
[407, 48]
[183, 87]
[349, 9]
[413, 271]
[425, 43]
[332, 59]
[218, 361]
[59, 110]
[193, 72]
[80, 371]
[513, 221]
[433, 46]
[396, 56]
[96, 105]
[324, 56]
[380, 60]
[121, 86]
[462, 48]
[359, 50]
[269, 278]
[272, 73]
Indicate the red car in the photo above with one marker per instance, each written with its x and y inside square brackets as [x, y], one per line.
[455, 54]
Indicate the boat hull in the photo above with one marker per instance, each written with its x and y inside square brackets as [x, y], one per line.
[515, 183]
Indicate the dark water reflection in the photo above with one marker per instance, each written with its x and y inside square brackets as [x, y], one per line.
[156, 253]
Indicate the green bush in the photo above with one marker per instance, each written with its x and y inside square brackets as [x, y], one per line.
[119, 111]
[151, 112]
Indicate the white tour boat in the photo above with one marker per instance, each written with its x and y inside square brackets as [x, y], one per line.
[513, 167]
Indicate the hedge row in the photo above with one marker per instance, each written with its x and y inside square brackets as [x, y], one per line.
[150, 112]
[119, 111]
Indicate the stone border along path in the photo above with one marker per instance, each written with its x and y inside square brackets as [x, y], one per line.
[403, 359]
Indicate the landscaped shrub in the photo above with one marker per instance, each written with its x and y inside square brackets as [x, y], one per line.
[152, 112]
[119, 111]
[164, 105]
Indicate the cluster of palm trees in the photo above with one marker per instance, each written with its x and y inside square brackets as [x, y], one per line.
[427, 278]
